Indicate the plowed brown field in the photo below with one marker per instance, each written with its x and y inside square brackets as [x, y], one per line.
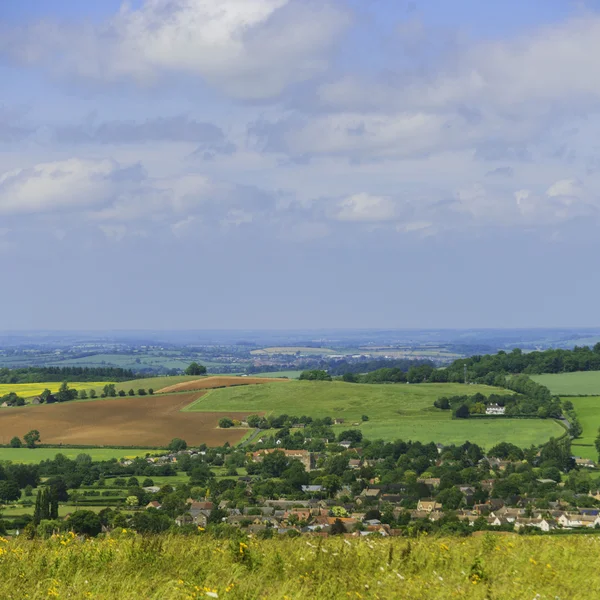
[209, 383]
[146, 421]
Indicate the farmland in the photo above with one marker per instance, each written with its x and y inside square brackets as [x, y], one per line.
[140, 421]
[27, 455]
[27, 390]
[588, 413]
[395, 411]
[571, 384]
[207, 383]
[125, 565]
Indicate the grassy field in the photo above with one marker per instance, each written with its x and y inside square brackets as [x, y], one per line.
[27, 455]
[27, 390]
[156, 383]
[588, 412]
[395, 411]
[583, 382]
[126, 566]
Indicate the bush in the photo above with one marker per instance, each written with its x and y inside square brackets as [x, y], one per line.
[225, 423]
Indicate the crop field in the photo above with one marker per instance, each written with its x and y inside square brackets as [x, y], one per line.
[27, 390]
[141, 421]
[581, 382]
[293, 350]
[397, 411]
[165, 567]
[207, 383]
[588, 413]
[27, 455]
[279, 374]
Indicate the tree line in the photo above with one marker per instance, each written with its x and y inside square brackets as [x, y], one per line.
[40, 374]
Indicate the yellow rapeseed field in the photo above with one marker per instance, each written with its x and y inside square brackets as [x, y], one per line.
[27, 390]
[128, 566]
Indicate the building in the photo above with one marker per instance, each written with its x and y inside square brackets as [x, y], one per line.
[494, 409]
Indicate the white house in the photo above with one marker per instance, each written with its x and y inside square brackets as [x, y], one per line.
[494, 409]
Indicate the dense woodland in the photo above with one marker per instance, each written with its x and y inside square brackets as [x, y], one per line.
[73, 374]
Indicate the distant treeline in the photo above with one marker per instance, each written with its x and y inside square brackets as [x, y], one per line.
[72, 374]
[580, 358]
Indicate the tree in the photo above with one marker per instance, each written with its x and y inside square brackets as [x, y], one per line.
[65, 393]
[9, 491]
[253, 420]
[31, 438]
[16, 443]
[351, 435]
[131, 392]
[151, 391]
[45, 396]
[195, 369]
[597, 443]
[225, 423]
[109, 390]
[82, 394]
[122, 393]
[132, 501]
[462, 412]
[141, 392]
[177, 444]
[147, 482]
[337, 528]
[93, 393]
[365, 418]
[315, 375]
[85, 522]
[575, 429]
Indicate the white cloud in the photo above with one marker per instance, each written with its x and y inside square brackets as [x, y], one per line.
[366, 208]
[73, 184]
[249, 48]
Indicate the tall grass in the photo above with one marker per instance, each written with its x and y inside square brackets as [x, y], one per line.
[126, 566]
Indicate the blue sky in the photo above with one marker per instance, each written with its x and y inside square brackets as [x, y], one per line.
[299, 163]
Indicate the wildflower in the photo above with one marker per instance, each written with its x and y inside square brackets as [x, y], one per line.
[211, 594]
[444, 547]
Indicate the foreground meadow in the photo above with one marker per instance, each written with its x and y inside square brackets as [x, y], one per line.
[395, 411]
[189, 568]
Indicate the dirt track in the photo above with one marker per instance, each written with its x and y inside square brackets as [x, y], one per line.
[208, 383]
[147, 421]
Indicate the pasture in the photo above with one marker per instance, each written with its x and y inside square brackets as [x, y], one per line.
[177, 567]
[207, 383]
[588, 413]
[568, 384]
[28, 390]
[139, 421]
[395, 411]
[36, 455]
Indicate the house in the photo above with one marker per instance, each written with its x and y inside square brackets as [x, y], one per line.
[354, 463]
[345, 444]
[152, 489]
[338, 421]
[542, 524]
[312, 489]
[304, 456]
[428, 505]
[571, 519]
[546, 481]
[494, 409]
[584, 462]
[153, 504]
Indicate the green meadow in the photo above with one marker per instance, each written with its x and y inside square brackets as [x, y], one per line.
[395, 411]
[35, 455]
[567, 384]
[588, 413]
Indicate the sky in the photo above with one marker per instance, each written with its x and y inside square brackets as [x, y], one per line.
[174, 164]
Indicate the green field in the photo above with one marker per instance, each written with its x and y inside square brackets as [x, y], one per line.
[27, 455]
[588, 413]
[27, 390]
[395, 411]
[581, 382]
[156, 383]
[193, 567]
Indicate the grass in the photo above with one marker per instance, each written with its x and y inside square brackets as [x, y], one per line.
[588, 413]
[582, 382]
[395, 411]
[156, 383]
[27, 390]
[288, 374]
[127, 566]
[29, 456]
